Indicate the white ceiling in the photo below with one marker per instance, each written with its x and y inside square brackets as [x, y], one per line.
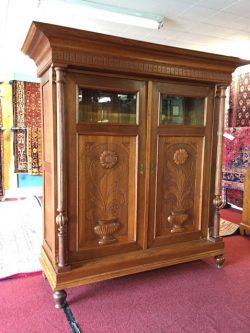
[217, 26]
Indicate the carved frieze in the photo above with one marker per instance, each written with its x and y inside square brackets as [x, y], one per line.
[131, 65]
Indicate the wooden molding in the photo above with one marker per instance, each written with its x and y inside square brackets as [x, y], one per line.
[121, 55]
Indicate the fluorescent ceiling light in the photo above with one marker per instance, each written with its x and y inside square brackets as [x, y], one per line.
[119, 15]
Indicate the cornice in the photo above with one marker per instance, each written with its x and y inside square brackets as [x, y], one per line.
[54, 45]
[143, 67]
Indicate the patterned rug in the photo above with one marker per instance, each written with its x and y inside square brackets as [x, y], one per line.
[33, 123]
[236, 160]
[227, 228]
[21, 237]
[243, 106]
[7, 110]
[27, 127]
[235, 197]
[20, 131]
[239, 100]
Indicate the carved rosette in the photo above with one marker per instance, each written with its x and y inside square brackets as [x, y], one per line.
[105, 229]
[180, 156]
[108, 159]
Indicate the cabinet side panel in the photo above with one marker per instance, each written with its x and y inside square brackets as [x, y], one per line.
[48, 173]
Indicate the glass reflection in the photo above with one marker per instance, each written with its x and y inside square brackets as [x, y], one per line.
[107, 107]
[181, 110]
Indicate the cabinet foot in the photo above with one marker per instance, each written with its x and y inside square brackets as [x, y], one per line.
[60, 298]
[242, 231]
[219, 261]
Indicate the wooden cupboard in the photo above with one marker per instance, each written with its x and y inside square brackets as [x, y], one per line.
[245, 221]
[132, 137]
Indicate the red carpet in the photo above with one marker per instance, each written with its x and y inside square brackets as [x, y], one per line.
[27, 307]
[231, 214]
[186, 298]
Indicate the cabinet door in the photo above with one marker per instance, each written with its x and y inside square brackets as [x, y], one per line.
[181, 158]
[106, 147]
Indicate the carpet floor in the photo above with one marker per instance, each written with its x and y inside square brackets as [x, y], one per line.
[21, 237]
[231, 214]
[185, 298]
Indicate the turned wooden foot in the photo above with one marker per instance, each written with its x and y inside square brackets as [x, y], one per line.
[219, 261]
[60, 298]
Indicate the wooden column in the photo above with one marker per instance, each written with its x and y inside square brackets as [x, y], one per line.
[220, 99]
[61, 218]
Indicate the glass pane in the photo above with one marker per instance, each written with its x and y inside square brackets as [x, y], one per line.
[107, 107]
[182, 110]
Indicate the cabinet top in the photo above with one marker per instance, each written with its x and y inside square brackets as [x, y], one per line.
[49, 44]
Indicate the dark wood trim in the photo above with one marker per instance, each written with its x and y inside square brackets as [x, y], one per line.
[106, 129]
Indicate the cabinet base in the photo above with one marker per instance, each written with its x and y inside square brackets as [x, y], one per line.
[99, 269]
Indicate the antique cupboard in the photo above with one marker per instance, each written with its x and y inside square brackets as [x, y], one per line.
[245, 222]
[132, 136]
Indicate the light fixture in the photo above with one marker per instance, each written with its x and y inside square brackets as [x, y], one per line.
[119, 15]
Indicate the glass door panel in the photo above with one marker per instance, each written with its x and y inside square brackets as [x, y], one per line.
[180, 162]
[181, 110]
[101, 106]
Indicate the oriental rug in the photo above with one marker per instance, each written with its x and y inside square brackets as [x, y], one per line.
[242, 114]
[34, 151]
[235, 197]
[20, 237]
[33, 123]
[20, 131]
[7, 110]
[239, 100]
[227, 228]
[236, 160]
[27, 127]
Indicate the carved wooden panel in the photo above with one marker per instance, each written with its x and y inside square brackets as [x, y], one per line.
[107, 191]
[178, 185]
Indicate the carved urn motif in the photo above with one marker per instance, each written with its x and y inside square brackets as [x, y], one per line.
[177, 220]
[105, 229]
